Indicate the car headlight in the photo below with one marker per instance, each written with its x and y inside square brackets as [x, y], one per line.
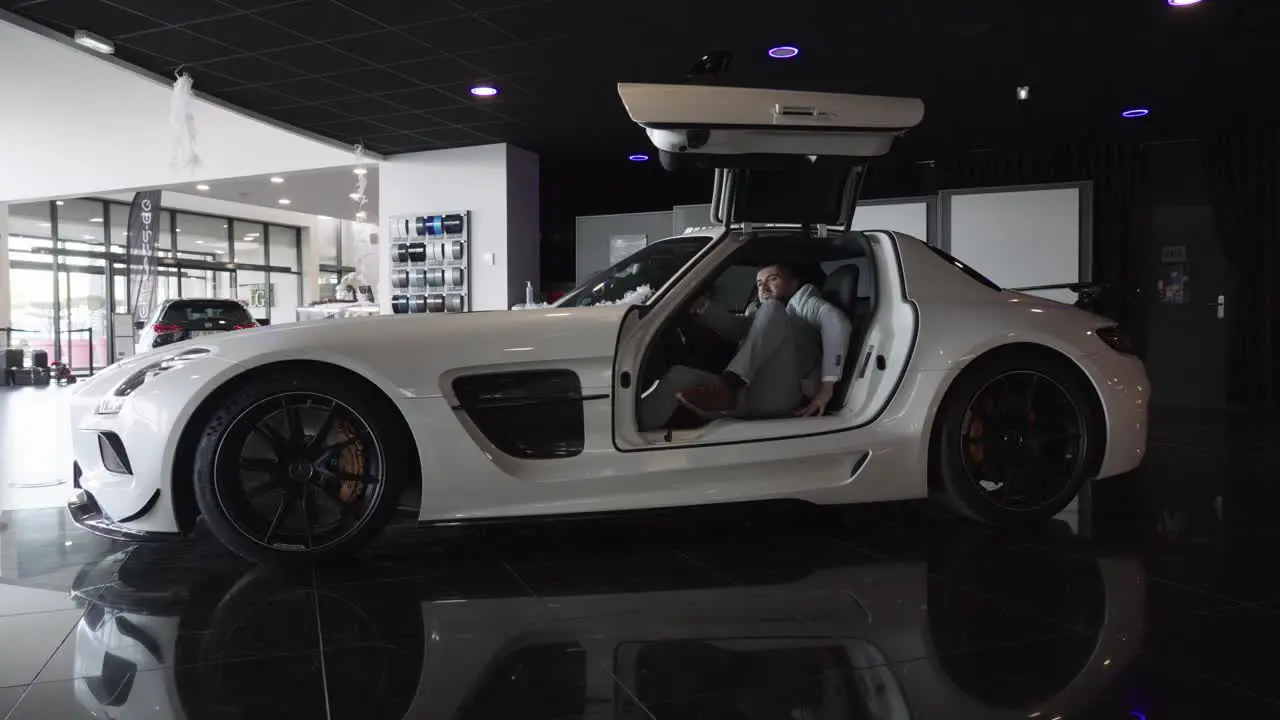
[115, 402]
[1116, 340]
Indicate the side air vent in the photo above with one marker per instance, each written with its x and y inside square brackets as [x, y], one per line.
[532, 415]
[114, 457]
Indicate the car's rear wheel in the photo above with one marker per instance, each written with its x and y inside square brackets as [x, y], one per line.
[295, 467]
[1016, 437]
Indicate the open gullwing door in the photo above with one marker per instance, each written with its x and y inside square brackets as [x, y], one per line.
[781, 157]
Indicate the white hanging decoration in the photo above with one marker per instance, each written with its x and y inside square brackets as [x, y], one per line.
[362, 180]
[182, 123]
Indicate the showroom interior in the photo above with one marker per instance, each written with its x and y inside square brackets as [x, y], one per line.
[275, 168]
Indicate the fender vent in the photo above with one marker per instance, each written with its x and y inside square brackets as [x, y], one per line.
[532, 415]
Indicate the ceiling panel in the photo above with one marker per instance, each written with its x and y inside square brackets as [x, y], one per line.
[344, 64]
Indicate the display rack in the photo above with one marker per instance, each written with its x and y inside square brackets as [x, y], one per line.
[430, 262]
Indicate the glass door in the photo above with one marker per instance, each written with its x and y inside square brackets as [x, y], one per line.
[32, 309]
[84, 316]
[204, 283]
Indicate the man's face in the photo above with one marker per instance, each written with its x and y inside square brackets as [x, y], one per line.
[773, 283]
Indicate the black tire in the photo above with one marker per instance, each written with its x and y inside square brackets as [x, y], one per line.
[972, 470]
[329, 496]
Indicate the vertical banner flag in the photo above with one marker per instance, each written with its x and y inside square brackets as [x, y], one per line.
[144, 230]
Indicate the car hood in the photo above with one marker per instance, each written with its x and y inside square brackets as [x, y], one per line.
[539, 334]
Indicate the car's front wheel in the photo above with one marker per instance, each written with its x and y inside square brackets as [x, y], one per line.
[1016, 437]
[295, 466]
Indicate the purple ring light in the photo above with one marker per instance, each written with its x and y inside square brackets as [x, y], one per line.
[638, 158]
[782, 52]
[1183, 3]
[484, 91]
[1135, 113]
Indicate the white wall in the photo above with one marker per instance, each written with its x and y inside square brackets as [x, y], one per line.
[1020, 238]
[524, 218]
[473, 179]
[76, 123]
[911, 218]
[4, 267]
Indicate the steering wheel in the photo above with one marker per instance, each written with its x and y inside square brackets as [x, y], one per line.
[686, 342]
[677, 345]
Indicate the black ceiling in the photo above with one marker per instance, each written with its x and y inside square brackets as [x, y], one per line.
[395, 74]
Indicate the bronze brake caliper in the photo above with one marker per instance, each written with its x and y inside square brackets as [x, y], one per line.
[973, 433]
[350, 464]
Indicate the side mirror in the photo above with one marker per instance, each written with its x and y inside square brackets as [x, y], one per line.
[138, 325]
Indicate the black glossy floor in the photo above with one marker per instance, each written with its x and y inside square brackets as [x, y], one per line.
[1158, 599]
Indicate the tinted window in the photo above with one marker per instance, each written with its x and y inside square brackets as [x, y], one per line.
[185, 311]
[964, 268]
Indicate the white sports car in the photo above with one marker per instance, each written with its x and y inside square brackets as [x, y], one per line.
[300, 441]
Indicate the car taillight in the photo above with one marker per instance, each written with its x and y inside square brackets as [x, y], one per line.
[1116, 340]
[244, 327]
[162, 329]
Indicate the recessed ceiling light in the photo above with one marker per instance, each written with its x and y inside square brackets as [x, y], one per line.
[95, 219]
[1024, 92]
[355, 196]
[638, 158]
[484, 91]
[1182, 3]
[782, 52]
[202, 187]
[1135, 113]
[86, 237]
[46, 224]
[199, 242]
[284, 201]
[252, 235]
[277, 180]
[250, 238]
[177, 229]
[59, 203]
[94, 42]
[360, 171]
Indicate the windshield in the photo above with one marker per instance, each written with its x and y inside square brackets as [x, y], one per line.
[638, 276]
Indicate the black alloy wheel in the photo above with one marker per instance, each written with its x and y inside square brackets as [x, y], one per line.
[299, 471]
[297, 468]
[1023, 441]
[1015, 439]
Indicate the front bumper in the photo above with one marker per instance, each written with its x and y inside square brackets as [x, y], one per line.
[86, 513]
[124, 461]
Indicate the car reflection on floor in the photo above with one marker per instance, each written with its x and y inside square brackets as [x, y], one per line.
[963, 625]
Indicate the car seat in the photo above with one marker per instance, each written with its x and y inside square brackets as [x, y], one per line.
[841, 289]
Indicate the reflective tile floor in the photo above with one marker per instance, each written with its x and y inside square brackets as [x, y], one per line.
[1157, 598]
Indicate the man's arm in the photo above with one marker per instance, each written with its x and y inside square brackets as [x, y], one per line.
[726, 324]
[835, 329]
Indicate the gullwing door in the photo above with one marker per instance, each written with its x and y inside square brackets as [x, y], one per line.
[781, 157]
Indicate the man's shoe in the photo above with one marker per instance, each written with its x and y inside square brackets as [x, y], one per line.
[709, 401]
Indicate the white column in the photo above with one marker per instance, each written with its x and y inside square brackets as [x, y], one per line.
[498, 185]
[4, 267]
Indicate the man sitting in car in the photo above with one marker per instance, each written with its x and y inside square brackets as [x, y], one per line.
[791, 348]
